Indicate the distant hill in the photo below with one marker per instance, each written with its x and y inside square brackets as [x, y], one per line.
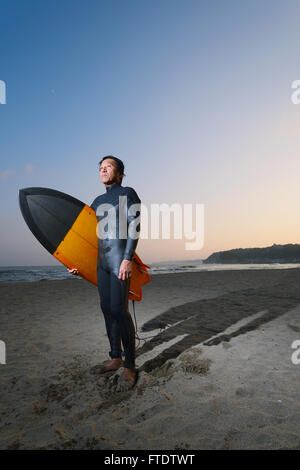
[271, 254]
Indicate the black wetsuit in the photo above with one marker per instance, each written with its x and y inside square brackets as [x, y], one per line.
[113, 292]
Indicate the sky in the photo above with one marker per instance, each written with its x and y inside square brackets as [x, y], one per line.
[193, 95]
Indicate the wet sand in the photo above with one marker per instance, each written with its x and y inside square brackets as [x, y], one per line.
[214, 373]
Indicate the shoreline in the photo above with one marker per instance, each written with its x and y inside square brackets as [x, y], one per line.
[175, 271]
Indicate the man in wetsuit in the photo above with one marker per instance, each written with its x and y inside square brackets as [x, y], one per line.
[114, 267]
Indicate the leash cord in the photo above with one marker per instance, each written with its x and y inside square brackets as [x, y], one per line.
[136, 329]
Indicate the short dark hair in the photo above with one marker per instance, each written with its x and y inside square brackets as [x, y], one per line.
[119, 164]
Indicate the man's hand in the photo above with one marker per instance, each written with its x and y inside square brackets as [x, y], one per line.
[125, 270]
[73, 271]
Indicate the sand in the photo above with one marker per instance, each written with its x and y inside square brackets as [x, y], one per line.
[216, 372]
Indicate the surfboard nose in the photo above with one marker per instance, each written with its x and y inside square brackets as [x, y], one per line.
[27, 191]
[49, 214]
[22, 193]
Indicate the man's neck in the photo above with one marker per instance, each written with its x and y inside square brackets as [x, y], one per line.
[110, 185]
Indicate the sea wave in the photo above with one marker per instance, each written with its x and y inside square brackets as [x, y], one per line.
[46, 273]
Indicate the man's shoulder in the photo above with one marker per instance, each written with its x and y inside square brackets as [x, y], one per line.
[97, 201]
[131, 193]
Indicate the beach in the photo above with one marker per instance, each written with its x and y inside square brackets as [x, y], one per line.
[215, 371]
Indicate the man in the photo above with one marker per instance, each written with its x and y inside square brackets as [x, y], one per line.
[115, 266]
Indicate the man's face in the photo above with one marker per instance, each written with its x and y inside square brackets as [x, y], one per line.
[108, 171]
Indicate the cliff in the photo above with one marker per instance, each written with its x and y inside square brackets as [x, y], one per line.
[271, 254]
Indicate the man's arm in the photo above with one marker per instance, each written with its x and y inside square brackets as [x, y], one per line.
[133, 224]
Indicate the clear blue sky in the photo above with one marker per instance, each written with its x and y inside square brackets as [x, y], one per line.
[193, 95]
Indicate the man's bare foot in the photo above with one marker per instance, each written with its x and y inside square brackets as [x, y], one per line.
[127, 380]
[107, 366]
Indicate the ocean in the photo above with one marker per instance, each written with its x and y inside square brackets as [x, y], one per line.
[39, 273]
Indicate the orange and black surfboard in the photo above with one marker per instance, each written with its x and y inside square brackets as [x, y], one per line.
[66, 227]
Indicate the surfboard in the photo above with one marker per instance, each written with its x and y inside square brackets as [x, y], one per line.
[66, 227]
